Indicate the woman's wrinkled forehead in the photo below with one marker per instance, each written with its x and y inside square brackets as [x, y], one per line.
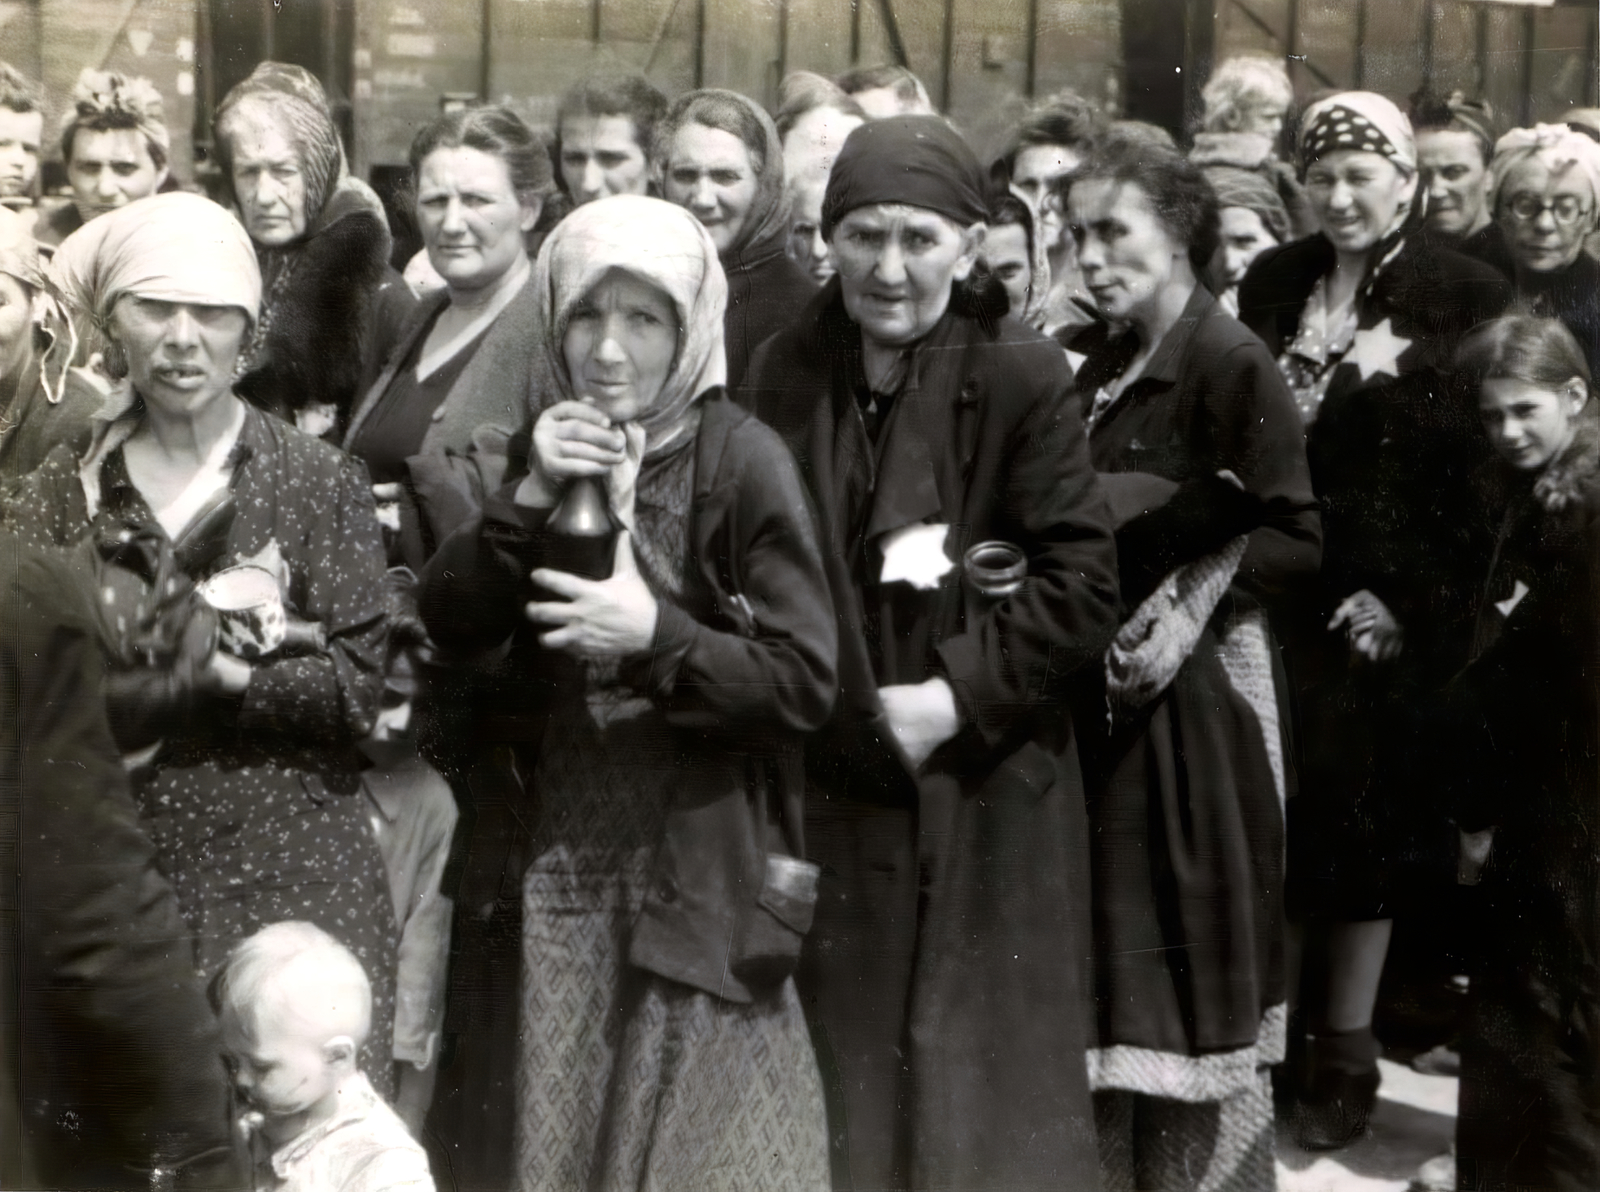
[644, 287]
[885, 214]
[1547, 170]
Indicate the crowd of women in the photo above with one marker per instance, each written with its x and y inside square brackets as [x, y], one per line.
[795, 658]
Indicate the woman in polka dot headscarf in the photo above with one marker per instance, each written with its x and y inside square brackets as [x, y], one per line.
[1363, 317]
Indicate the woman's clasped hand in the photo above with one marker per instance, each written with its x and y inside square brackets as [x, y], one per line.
[606, 618]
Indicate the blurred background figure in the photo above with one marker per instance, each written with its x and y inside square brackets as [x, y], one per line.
[813, 118]
[886, 90]
[413, 817]
[322, 241]
[43, 401]
[604, 129]
[1253, 220]
[115, 143]
[1014, 256]
[1455, 140]
[718, 154]
[96, 968]
[21, 139]
[1247, 101]
[1048, 144]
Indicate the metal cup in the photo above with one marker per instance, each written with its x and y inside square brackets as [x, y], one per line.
[249, 610]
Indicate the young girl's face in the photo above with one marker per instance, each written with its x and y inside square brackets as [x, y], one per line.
[1529, 424]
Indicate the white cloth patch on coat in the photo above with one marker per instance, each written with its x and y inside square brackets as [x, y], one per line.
[1510, 602]
[916, 555]
[1377, 350]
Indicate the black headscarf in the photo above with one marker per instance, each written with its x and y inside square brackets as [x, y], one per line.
[917, 160]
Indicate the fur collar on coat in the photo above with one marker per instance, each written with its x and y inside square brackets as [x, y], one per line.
[313, 345]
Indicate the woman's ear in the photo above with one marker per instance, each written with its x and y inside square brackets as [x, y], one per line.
[972, 239]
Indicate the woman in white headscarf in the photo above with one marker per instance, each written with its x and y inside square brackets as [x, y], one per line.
[662, 1042]
[245, 761]
[1363, 318]
[1544, 195]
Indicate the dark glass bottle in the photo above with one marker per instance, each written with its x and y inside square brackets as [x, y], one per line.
[581, 536]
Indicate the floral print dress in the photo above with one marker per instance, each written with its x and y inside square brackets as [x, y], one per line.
[254, 802]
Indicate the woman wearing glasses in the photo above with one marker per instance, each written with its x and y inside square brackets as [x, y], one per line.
[1544, 182]
[1363, 318]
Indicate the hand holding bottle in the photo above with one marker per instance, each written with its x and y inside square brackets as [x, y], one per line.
[606, 618]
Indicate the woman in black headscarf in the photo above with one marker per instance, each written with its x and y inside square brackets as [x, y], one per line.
[322, 240]
[719, 155]
[947, 979]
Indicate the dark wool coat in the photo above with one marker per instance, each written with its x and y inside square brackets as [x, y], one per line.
[1571, 294]
[1524, 757]
[35, 422]
[766, 293]
[1392, 450]
[1188, 923]
[736, 688]
[461, 458]
[112, 1045]
[321, 323]
[947, 978]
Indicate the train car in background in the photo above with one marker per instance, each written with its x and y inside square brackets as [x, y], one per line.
[391, 64]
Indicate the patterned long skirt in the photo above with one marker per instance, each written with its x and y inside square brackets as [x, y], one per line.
[248, 846]
[631, 1081]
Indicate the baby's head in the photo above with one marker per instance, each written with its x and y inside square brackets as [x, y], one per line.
[295, 1007]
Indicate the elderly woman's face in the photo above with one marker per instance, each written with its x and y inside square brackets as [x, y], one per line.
[16, 326]
[806, 246]
[471, 217]
[619, 345]
[709, 171]
[897, 264]
[268, 181]
[1126, 253]
[1545, 214]
[180, 355]
[1357, 194]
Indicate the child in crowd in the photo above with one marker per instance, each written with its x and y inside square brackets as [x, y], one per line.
[295, 1006]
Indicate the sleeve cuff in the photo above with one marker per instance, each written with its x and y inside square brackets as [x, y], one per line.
[675, 634]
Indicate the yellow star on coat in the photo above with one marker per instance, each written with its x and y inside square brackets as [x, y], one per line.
[1377, 350]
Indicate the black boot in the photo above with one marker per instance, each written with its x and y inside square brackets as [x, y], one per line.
[1340, 1089]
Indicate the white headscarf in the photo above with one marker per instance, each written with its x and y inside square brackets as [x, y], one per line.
[1556, 145]
[659, 243]
[174, 247]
